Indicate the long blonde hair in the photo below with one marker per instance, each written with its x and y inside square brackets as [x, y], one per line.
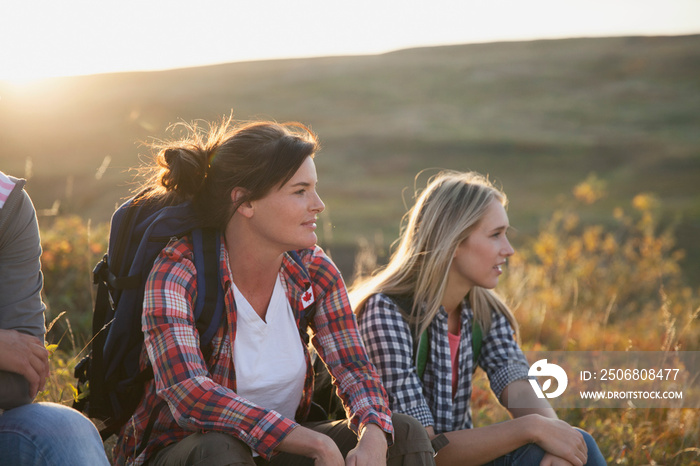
[445, 214]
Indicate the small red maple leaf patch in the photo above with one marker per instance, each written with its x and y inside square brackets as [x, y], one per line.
[307, 298]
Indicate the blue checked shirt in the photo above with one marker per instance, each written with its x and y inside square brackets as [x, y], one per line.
[389, 343]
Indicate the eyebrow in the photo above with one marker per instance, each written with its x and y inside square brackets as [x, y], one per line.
[301, 184]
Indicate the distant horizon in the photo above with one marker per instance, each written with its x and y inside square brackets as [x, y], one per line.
[80, 37]
[338, 55]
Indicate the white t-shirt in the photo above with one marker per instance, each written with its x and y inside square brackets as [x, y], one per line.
[268, 356]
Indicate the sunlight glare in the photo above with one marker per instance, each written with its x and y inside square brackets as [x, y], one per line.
[22, 81]
[45, 38]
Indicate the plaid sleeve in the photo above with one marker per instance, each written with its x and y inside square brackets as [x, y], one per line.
[501, 357]
[389, 343]
[181, 376]
[338, 342]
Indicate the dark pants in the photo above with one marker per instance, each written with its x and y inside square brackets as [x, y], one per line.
[411, 447]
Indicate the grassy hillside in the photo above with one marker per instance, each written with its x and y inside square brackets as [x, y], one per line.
[538, 117]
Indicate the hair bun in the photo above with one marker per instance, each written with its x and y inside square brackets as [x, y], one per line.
[183, 170]
[170, 154]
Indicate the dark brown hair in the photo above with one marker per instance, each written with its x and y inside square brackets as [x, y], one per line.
[205, 166]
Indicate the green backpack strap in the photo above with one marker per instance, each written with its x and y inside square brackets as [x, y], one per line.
[477, 336]
[423, 347]
[406, 302]
[422, 354]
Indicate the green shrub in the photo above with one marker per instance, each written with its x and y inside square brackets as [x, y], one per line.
[71, 248]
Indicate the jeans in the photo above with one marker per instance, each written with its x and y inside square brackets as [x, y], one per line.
[532, 454]
[49, 434]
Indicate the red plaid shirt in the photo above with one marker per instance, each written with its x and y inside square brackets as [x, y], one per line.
[190, 395]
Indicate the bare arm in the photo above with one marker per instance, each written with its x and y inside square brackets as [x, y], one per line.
[528, 403]
[536, 423]
[484, 444]
[520, 393]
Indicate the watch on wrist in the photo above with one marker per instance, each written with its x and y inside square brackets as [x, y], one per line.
[439, 442]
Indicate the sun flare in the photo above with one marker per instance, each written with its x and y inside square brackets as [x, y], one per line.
[23, 80]
[43, 38]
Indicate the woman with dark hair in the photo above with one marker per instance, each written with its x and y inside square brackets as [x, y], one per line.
[435, 291]
[248, 403]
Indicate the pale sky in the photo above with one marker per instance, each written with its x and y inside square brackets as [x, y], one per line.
[41, 38]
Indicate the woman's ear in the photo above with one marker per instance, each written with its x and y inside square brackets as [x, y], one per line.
[239, 198]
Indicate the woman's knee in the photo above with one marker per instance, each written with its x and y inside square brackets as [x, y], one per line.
[52, 431]
[409, 435]
[211, 449]
[405, 425]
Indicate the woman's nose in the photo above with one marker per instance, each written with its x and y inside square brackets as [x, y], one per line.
[318, 205]
[508, 250]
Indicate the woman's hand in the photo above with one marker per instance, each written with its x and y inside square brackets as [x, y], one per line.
[306, 442]
[560, 440]
[550, 460]
[25, 355]
[371, 448]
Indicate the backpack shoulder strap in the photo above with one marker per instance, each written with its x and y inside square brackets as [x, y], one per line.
[422, 349]
[477, 336]
[422, 354]
[209, 307]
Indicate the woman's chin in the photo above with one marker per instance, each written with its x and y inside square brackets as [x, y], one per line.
[308, 242]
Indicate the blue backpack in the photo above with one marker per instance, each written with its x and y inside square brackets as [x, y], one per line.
[110, 382]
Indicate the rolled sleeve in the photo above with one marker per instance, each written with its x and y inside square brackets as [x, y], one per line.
[502, 358]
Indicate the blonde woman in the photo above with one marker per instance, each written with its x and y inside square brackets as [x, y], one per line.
[438, 285]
